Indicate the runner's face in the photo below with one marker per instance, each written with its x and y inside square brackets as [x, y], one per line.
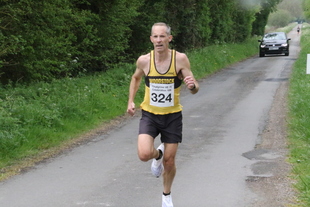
[160, 38]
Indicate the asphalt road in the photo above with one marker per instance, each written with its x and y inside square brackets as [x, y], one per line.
[222, 125]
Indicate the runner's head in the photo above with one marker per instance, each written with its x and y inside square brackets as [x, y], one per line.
[160, 36]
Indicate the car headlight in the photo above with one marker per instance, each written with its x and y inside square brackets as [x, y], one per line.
[284, 44]
[262, 46]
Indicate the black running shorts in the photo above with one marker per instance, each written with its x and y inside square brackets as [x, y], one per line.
[169, 126]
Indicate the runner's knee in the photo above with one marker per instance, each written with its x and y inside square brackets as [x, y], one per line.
[169, 164]
[144, 156]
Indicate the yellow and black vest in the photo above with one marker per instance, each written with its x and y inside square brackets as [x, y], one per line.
[162, 91]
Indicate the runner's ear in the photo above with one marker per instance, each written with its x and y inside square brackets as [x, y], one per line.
[170, 38]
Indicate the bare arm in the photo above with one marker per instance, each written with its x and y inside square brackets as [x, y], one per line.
[134, 86]
[189, 79]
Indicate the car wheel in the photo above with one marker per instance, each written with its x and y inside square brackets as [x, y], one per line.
[287, 54]
[261, 55]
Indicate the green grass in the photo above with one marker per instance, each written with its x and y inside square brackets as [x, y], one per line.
[210, 59]
[299, 121]
[44, 116]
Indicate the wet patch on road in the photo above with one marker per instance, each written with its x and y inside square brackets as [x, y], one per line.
[264, 166]
[261, 154]
[276, 79]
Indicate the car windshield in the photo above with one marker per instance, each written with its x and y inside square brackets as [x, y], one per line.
[275, 36]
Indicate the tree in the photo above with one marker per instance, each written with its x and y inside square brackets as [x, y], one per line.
[294, 7]
[50, 39]
[190, 20]
[57, 38]
[38, 37]
[281, 18]
[243, 18]
[261, 17]
[221, 21]
[306, 8]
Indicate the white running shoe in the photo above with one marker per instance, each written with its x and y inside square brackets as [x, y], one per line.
[167, 201]
[157, 165]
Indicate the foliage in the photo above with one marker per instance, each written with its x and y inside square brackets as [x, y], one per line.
[52, 39]
[243, 18]
[280, 19]
[294, 7]
[306, 8]
[261, 17]
[190, 21]
[287, 11]
[115, 18]
[139, 41]
[221, 21]
[41, 37]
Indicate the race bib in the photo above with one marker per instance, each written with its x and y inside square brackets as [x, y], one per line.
[162, 95]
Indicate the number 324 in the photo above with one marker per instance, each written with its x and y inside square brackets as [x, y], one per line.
[161, 98]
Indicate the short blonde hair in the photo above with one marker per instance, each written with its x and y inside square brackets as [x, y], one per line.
[168, 31]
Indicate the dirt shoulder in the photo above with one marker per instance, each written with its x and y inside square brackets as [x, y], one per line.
[276, 189]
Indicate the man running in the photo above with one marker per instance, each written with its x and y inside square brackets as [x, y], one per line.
[164, 69]
[298, 29]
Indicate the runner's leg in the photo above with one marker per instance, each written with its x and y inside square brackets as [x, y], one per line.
[169, 165]
[146, 150]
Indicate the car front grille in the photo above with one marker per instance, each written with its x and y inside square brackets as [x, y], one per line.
[272, 45]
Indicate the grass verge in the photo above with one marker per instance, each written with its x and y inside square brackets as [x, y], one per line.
[298, 122]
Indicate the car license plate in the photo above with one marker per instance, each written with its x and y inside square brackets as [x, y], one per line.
[273, 48]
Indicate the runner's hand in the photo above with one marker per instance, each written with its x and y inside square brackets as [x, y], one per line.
[131, 109]
[190, 82]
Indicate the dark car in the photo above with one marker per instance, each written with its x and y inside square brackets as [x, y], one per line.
[274, 43]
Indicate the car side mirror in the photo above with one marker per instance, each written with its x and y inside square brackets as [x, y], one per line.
[259, 40]
[288, 39]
